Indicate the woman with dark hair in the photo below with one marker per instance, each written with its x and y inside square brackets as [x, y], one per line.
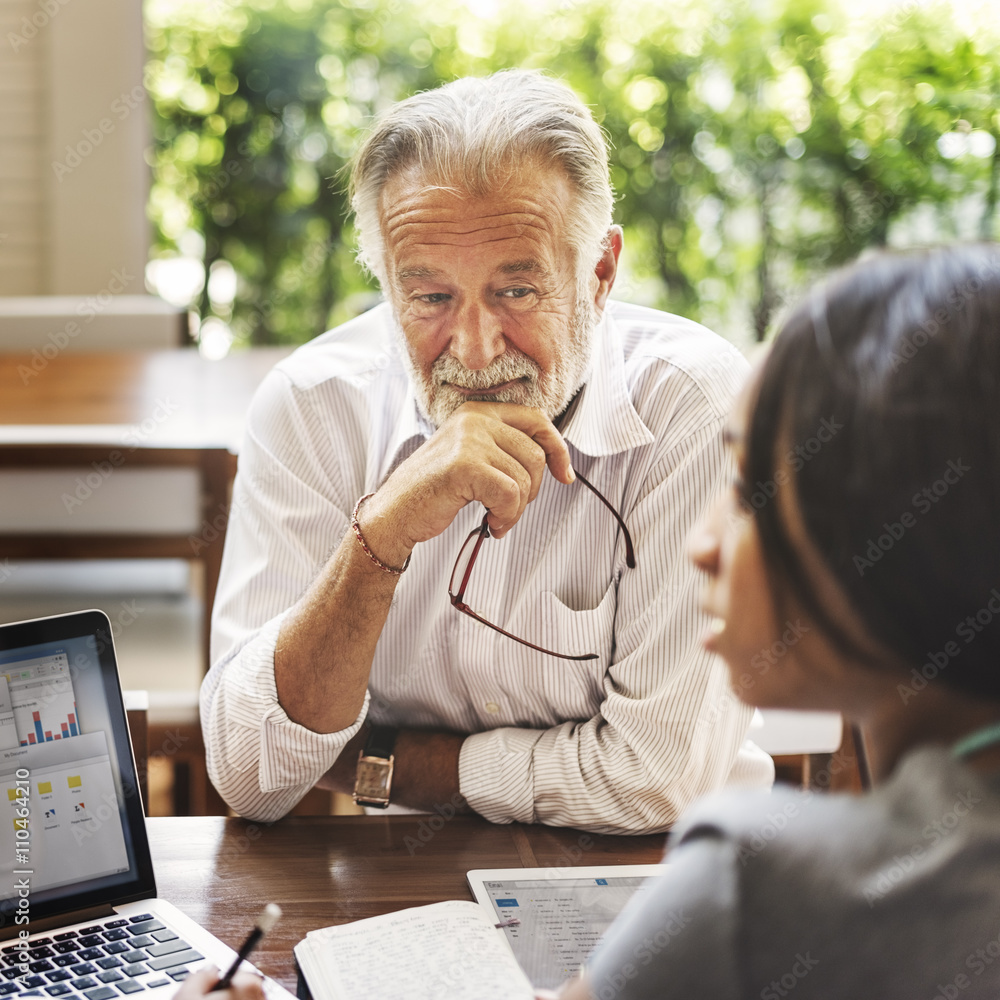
[867, 515]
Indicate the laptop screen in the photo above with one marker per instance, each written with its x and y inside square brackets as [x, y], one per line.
[74, 835]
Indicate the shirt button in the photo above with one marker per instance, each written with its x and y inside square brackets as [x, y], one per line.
[492, 707]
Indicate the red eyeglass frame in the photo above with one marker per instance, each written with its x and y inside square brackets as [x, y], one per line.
[483, 532]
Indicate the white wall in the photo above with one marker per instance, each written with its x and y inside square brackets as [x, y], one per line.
[23, 235]
[71, 76]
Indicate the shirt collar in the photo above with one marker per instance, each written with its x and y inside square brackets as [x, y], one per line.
[411, 430]
[601, 421]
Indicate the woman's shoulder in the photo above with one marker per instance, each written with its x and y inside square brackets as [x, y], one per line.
[928, 797]
[836, 895]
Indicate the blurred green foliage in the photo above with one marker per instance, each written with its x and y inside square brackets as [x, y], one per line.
[755, 144]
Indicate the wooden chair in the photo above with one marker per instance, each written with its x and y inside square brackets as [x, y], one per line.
[841, 768]
[197, 535]
[137, 717]
[165, 423]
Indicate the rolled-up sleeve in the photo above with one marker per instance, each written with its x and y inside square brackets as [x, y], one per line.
[287, 515]
[261, 761]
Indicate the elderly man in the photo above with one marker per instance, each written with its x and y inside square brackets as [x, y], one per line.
[425, 597]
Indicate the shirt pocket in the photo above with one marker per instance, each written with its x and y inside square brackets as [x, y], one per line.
[545, 689]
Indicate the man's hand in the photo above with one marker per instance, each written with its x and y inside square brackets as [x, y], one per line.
[493, 453]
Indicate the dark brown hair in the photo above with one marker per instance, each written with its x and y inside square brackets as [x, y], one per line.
[900, 356]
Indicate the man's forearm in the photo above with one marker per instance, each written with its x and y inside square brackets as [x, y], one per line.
[324, 651]
[492, 453]
[425, 773]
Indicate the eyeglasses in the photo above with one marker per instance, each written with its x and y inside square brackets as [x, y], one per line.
[467, 559]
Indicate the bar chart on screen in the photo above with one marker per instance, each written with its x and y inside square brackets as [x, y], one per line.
[42, 699]
[8, 727]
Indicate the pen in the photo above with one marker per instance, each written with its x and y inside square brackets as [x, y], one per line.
[513, 922]
[269, 916]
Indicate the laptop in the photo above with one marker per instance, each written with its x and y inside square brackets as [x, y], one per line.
[79, 917]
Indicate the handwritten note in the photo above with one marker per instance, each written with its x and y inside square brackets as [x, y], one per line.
[444, 951]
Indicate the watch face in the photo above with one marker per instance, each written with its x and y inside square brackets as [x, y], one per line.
[373, 780]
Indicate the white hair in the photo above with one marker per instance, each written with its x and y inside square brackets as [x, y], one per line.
[476, 134]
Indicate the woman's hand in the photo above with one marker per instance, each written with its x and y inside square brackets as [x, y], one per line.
[245, 986]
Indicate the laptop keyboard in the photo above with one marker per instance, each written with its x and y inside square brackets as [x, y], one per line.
[102, 961]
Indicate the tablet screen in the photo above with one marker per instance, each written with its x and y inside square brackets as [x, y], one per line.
[560, 920]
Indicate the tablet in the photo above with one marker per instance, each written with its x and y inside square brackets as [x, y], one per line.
[561, 912]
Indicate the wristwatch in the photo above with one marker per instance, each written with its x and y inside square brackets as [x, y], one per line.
[373, 780]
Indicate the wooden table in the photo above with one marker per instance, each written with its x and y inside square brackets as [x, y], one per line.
[332, 869]
[130, 409]
[122, 387]
[143, 411]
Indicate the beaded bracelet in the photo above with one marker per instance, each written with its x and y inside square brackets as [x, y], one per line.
[364, 545]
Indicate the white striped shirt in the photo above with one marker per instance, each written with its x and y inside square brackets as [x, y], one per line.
[619, 744]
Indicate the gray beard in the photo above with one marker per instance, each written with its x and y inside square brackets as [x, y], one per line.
[550, 392]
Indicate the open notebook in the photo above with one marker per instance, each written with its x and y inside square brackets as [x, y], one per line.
[78, 906]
